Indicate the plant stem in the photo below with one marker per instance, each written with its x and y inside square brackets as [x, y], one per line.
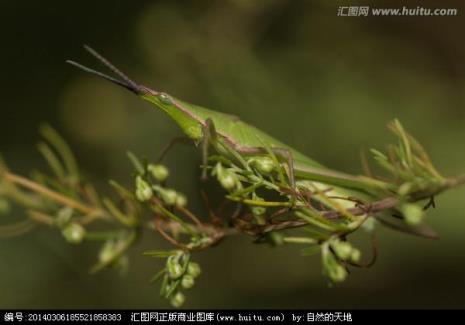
[33, 186]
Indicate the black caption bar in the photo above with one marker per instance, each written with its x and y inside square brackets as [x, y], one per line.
[223, 316]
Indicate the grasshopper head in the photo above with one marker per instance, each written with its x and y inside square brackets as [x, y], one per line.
[160, 99]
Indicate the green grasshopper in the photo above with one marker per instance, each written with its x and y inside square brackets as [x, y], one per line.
[225, 132]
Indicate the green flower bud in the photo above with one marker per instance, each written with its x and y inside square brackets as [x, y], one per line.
[63, 217]
[342, 249]
[178, 300]
[107, 252]
[369, 224]
[331, 267]
[337, 273]
[355, 255]
[4, 206]
[174, 267]
[404, 189]
[159, 172]
[74, 233]
[143, 190]
[194, 269]
[258, 211]
[275, 238]
[187, 281]
[264, 165]
[169, 196]
[228, 181]
[412, 213]
[122, 264]
[181, 200]
[226, 178]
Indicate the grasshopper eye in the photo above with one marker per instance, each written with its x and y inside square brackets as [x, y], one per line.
[165, 99]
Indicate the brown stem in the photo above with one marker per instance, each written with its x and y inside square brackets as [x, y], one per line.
[190, 215]
[170, 239]
[361, 209]
[33, 186]
[40, 217]
[215, 234]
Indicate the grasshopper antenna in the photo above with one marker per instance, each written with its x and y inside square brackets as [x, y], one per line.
[126, 83]
[104, 76]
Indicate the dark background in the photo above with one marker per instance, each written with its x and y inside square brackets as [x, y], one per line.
[325, 84]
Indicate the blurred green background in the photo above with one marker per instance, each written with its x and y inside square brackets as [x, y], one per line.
[322, 83]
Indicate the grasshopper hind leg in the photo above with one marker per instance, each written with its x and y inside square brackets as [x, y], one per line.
[209, 137]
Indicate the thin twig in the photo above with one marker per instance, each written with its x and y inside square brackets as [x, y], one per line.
[33, 186]
[378, 206]
[41, 217]
[170, 239]
[190, 215]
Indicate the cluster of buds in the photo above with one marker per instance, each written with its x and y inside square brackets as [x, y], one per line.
[345, 251]
[180, 275]
[152, 183]
[169, 196]
[333, 252]
[111, 254]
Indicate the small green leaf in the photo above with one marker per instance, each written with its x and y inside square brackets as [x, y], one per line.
[127, 220]
[64, 216]
[54, 138]
[157, 276]
[308, 251]
[136, 163]
[121, 189]
[52, 160]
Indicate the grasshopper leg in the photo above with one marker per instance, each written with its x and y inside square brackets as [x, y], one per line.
[209, 137]
[177, 140]
[281, 153]
[286, 154]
